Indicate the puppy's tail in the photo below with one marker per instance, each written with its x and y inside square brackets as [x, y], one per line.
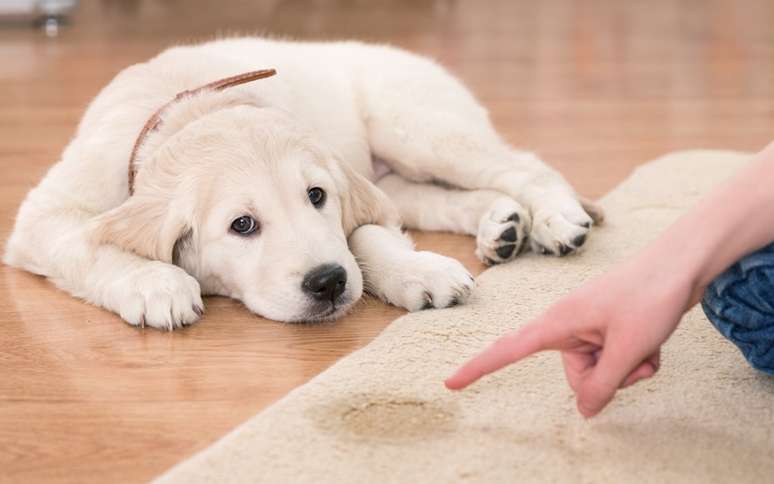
[595, 211]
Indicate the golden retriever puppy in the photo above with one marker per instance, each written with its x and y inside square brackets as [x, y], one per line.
[189, 174]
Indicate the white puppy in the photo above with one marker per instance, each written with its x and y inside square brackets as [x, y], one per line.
[285, 193]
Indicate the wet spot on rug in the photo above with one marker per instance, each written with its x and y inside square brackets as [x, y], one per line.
[387, 418]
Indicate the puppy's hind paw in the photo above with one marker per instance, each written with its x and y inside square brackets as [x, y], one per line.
[502, 231]
[562, 232]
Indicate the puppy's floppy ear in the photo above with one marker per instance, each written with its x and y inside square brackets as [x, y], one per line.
[143, 224]
[361, 201]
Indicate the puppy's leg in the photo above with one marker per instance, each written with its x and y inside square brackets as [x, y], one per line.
[399, 275]
[426, 126]
[499, 223]
[141, 291]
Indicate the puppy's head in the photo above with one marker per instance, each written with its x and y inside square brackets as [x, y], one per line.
[246, 202]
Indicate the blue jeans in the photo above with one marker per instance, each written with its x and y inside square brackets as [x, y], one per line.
[740, 303]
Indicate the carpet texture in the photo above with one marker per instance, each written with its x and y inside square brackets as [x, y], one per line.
[382, 414]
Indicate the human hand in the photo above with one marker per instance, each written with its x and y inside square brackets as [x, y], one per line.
[609, 332]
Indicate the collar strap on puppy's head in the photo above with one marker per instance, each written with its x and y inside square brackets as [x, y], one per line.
[154, 121]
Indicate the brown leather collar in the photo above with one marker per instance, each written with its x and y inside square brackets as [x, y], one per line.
[155, 120]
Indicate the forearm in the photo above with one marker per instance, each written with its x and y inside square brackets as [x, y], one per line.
[732, 221]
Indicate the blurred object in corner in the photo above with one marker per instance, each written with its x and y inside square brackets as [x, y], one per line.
[49, 14]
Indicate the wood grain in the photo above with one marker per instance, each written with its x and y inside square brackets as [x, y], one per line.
[595, 87]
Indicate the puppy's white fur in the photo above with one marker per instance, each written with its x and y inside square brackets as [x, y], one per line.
[255, 150]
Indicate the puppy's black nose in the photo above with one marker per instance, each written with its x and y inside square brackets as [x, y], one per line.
[326, 282]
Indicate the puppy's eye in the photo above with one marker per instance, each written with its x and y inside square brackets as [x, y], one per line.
[316, 196]
[244, 225]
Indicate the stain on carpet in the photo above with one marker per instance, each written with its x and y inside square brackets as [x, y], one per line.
[385, 418]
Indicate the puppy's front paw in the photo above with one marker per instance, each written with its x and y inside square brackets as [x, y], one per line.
[159, 295]
[502, 231]
[559, 229]
[426, 280]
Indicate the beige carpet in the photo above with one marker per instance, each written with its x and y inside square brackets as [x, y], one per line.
[383, 415]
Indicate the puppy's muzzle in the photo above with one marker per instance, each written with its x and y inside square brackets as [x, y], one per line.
[326, 282]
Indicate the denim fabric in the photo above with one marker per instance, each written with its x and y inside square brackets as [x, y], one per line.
[740, 303]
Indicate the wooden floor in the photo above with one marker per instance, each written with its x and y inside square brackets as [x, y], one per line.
[595, 87]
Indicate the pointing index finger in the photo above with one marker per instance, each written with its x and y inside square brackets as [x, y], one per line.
[504, 351]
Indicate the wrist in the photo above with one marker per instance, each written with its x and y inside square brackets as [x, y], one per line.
[679, 262]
